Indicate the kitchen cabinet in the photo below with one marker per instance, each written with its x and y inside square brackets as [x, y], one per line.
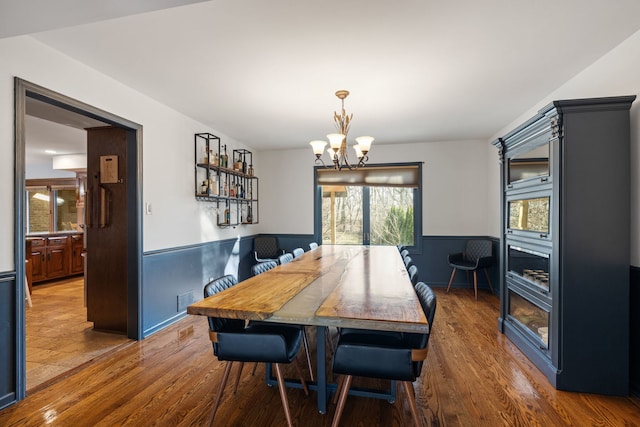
[54, 256]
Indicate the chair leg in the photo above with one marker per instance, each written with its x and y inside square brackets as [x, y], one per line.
[283, 394]
[411, 395]
[338, 389]
[305, 341]
[343, 398]
[488, 280]
[453, 274]
[253, 371]
[235, 386]
[302, 381]
[225, 376]
[475, 283]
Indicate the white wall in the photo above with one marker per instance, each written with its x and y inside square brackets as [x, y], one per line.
[177, 218]
[455, 192]
[461, 179]
[615, 74]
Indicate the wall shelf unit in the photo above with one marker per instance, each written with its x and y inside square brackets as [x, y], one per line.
[565, 215]
[227, 182]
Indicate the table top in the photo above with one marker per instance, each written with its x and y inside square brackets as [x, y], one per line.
[333, 285]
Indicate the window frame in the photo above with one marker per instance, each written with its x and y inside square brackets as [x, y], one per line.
[417, 204]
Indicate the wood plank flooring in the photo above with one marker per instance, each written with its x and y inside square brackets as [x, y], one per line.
[59, 339]
[473, 376]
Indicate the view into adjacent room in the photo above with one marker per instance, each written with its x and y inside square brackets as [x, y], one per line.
[59, 338]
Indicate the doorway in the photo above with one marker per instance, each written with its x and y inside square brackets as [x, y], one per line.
[65, 110]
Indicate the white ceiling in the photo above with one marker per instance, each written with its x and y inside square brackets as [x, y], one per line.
[265, 72]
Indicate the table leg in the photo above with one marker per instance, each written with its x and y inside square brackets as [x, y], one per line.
[322, 370]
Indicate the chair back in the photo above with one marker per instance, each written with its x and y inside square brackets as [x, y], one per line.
[404, 253]
[261, 267]
[477, 249]
[413, 274]
[219, 324]
[297, 252]
[313, 245]
[266, 247]
[408, 262]
[285, 258]
[428, 302]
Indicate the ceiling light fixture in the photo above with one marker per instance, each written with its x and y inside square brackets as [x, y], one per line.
[338, 141]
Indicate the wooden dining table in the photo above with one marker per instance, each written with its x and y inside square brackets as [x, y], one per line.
[346, 286]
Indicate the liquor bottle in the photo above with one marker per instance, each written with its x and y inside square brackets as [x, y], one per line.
[250, 170]
[204, 187]
[213, 185]
[249, 216]
[241, 195]
[225, 190]
[227, 216]
[225, 158]
[244, 165]
[216, 160]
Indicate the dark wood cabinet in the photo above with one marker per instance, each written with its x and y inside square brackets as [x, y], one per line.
[565, 242]
[37, 258]
[57, 257]
[54, 256]
[77, 260]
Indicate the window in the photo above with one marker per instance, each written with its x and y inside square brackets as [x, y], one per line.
[375, 205]
[52, 208]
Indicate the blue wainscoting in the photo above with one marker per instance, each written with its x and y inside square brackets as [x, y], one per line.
[433, 265]
[8, 345]
[184, 271]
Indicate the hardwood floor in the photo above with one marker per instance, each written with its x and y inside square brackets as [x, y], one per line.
[473, 376]
[59, 339]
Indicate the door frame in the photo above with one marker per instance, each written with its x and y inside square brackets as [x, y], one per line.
[22, 90]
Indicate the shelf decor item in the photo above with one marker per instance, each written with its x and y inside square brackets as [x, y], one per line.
[232, 186]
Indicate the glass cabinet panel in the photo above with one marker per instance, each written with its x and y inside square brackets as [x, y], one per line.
[529, 264]
[530, 315]
[531, 164]
[529, 214]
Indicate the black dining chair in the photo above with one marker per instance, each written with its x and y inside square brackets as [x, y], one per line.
[265, 248]
[261, 342]
[285, 258]
[260, 268]
[413, 274]
[477, 255]
[396, 357]
[297, 252]
[408, 262]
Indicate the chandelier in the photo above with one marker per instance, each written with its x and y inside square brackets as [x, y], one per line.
[338, 141]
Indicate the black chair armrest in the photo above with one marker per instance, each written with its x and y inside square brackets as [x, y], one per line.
[484, 262]
[258, 259]
[456, 258]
